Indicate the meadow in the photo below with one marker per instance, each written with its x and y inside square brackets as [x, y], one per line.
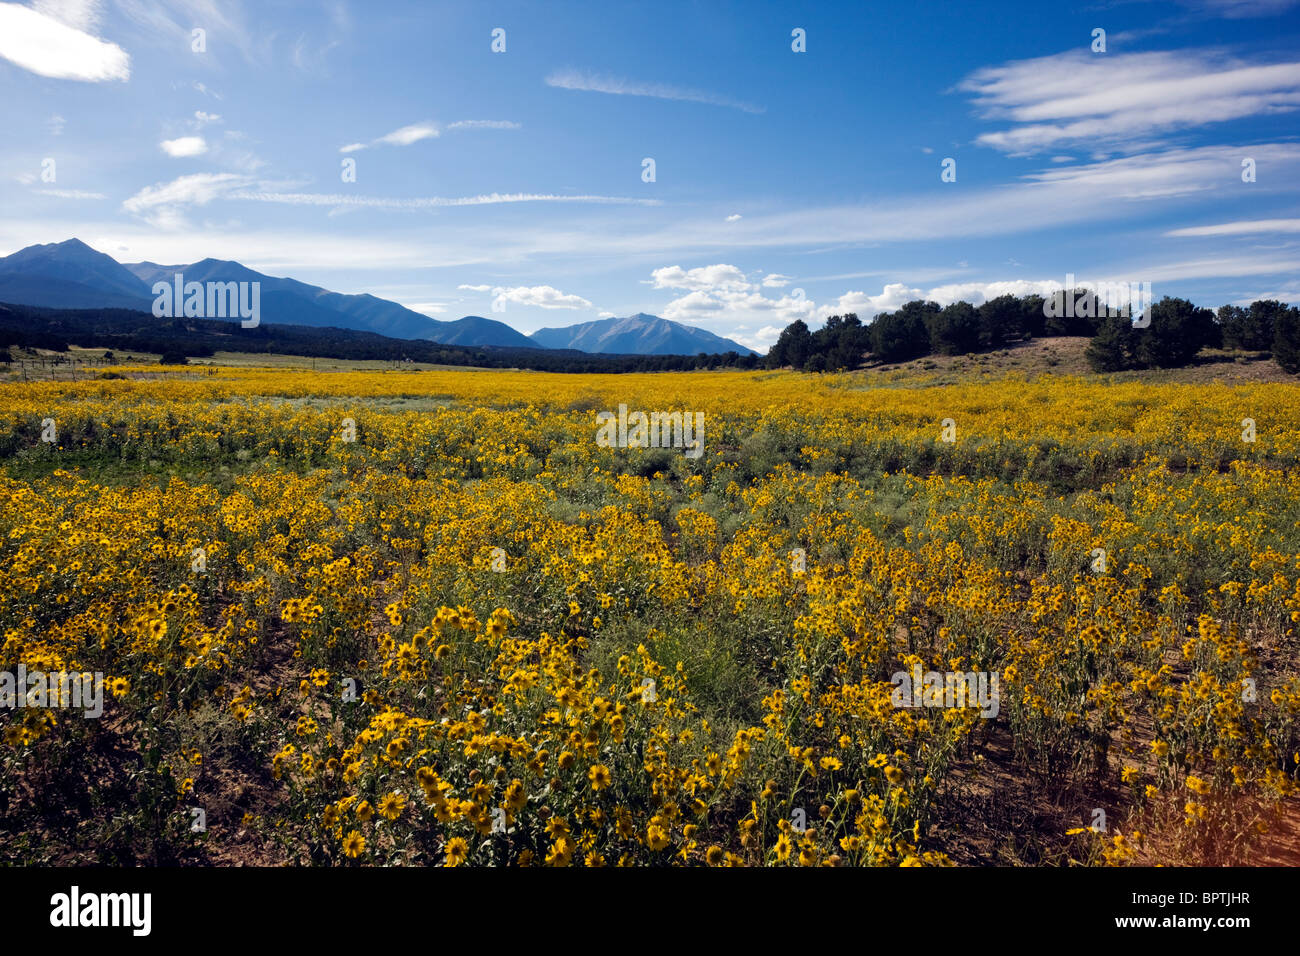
[425, 618]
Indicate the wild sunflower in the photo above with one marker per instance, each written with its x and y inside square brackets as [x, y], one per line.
[783, 847]
[456, 851]
[354, 844]
[391, 806]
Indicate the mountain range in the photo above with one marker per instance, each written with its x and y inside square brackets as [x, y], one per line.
[72, 275]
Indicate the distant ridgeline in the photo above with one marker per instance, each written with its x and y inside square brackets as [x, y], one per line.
[1169, 334]
[130, 330]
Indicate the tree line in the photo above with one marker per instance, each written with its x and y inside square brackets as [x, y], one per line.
[1170, 335]
[178, 340]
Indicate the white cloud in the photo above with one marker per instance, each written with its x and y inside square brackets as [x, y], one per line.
[428, 308]
[203, 118]
[1121, 99]
[775, 281]
[541, 296]
[55, 124]
[474, 288]
[184, 146]
[760, 341]
[865, 305]
[718, 276]
[896, 294]
[352, 147]
[409, 134]
[733, 306]
[48, 46]
[734, 217]
[1241, 228]
[605, 315]
[618, 86]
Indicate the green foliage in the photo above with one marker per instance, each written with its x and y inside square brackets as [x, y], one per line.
[1250, 329]
[792, 348]
[1178, 330]
[1286, 340]
[954, 330]
[1114, 348]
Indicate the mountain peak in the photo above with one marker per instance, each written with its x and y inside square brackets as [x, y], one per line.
[74, 276]
[71, 274]
[640, 334]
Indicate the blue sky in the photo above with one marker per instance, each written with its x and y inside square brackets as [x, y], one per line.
[787, 184]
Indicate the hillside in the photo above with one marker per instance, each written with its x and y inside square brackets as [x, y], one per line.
[1065, 356]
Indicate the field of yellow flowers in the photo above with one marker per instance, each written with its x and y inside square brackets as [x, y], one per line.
[426, 618]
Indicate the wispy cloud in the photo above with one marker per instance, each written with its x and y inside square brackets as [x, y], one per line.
[68, 193]
[404, 136]
[1078, 98]
[169, 24]
[420, 131]
[1240, 228]
[428, 202]
[163, 203]
[618, 86]
[78, 14]
[1241, 9]
[48, 46]
[483, 124]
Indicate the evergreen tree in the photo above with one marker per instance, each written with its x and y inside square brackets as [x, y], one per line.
[792, 348]
[954, 330]
[1114, 347]
[1250, 329]
[1178, 330]
[1286, 339]
[1001, 320]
